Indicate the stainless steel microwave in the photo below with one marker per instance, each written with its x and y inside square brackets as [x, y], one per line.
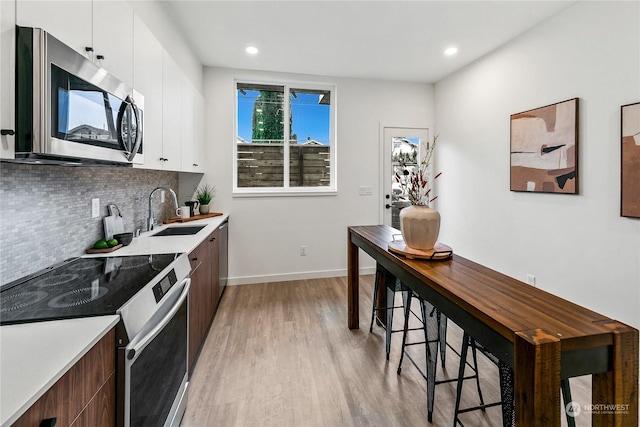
[71, 111]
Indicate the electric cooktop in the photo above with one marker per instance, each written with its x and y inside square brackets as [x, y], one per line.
[80, 287]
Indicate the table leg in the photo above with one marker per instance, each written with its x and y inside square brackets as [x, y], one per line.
[537, 378]
[431, 336]
[353, 285]
[615, 393]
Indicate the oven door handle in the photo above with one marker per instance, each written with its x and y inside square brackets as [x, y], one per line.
[140, 342]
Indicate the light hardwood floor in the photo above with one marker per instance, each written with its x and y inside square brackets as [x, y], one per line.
[280, 354]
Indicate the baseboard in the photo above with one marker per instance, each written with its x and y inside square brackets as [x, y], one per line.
[250, 280]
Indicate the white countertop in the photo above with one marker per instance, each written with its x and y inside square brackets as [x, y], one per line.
[33, 356]
[148, 244]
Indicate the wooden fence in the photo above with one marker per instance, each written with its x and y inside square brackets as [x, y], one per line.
[262, 165]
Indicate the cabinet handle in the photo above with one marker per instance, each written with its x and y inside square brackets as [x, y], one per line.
[162, 159]
[212, 239]
[88, 49]
[11, 132]
[195, 164]
[49, 422]
[194, 259]
[99, 57]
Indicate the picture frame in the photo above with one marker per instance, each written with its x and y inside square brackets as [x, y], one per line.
[544, 149]
[630, 160]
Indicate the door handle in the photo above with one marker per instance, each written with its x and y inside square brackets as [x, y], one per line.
[387, 206]
[49, 422]
[138, 343]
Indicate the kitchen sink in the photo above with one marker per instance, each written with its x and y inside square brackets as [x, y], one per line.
[179, 231]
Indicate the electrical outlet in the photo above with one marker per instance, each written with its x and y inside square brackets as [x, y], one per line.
[95, 208]
[303, 250]
[531, 279]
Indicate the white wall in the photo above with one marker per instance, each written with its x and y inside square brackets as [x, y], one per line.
[267, 232]
[578, 247]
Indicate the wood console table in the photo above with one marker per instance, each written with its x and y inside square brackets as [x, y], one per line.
[542, 337]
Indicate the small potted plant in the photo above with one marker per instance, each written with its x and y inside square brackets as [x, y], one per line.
[203, 195]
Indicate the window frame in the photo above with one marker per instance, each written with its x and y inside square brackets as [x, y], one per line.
[286, 189]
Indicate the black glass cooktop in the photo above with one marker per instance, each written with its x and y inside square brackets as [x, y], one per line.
[81, 287]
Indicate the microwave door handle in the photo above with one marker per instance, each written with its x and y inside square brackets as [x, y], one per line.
[122, 116]
[129, 151]
[136, 114]
[133, 350]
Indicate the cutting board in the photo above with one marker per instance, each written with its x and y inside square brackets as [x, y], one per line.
[193, 218]
[118, 225]
[113, 223]
[103, 251]
[109, 226]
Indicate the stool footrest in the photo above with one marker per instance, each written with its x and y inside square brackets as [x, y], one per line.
[482, 407]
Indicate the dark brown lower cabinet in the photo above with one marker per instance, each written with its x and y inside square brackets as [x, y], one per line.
[204, 292]
[84, 396]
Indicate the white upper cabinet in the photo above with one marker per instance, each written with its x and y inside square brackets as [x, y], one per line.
[189, 160]
[173, 81]
[7, 77]
[198, 125]
[147, 79]
[106, 27]
[71, 22]
[193, 155]
[171, 103]
[112, 38]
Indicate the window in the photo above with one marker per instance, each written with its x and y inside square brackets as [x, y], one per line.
[285, 140]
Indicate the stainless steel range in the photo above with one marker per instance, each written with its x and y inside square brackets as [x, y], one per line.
[150, 293]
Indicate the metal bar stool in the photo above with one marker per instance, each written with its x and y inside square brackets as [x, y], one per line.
[434, 327]
[392, 286]
[506, 386]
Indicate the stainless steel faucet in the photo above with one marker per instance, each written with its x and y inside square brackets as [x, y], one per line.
[151, 221]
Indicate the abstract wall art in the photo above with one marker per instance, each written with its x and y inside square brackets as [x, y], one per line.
[630, 164]
[544, 149]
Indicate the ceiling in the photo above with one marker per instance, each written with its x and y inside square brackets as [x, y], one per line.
[390, 40]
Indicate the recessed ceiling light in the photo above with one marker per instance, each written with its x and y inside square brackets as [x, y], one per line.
[450, 51]
[251, 50]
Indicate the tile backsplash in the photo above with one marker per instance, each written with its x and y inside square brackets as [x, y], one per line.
[45, 211]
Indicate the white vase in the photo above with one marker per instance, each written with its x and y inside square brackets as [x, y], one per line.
[420, 226]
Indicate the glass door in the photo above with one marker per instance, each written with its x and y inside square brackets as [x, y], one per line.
[401, 151]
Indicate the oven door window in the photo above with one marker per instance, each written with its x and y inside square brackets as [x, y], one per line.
[157, 374]
[82, 112]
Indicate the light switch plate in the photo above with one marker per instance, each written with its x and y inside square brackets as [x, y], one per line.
[365, 190]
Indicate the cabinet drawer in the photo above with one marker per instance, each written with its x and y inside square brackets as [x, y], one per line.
[101, 411]
[67, 398]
